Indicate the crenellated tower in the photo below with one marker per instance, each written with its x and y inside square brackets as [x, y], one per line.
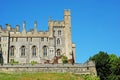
[68, 42]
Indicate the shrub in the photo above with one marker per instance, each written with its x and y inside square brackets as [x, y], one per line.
[64, 59]
[12, 62]
[33, 62]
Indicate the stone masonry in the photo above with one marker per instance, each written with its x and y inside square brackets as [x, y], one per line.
[33, 45]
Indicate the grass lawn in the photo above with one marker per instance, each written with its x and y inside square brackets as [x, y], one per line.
[39, 76]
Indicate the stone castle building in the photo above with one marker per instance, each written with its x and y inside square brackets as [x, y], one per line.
[34, 45]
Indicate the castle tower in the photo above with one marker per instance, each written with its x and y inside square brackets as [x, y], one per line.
[68, 42]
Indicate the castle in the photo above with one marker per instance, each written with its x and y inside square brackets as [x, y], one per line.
[33, 45]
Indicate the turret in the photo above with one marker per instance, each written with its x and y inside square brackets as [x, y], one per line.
[24, 27]
[35, 26]
[17, 27]
[8, 27]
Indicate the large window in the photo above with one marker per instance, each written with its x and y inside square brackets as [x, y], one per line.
[34, 51]
[12, 50]
[23, 51]
[45, 51]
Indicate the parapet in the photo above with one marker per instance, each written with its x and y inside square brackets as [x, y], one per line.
[67, 12]
[56, 23]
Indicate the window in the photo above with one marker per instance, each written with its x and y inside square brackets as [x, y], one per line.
[54, 32]
[23, 51]
[87, 68]
[16, 39]
[31, 39]
[34, 51]
[45, 51]
[58, 41]
[12, 48]
[27, 38]
[0, 39]
[42, 39]
[59, 32]
[58, 52]
[47, 38]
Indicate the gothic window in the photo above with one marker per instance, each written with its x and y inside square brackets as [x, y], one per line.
[31, 39]
[54, 32]
[58, 41]
[16, 39]
[42, 39]
[12, 50]
[47, 38]
[45, 51]
[58, 52]
[27, 38]
[23, 51]
[59, 32]
[34, 49]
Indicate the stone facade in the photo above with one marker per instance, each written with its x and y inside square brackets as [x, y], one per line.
[34, 45]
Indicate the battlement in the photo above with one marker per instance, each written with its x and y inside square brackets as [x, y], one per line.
[67, 12]
[56, 23]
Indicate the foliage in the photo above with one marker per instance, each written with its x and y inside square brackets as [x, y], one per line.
[64, 59]
[115, 70]
[90, 77]
[33, 62]
[107, 65]
[12, 62]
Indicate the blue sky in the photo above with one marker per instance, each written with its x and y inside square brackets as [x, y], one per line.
[95, 23]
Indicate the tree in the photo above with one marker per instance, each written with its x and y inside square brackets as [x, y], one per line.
[115, 68]
[102, 62]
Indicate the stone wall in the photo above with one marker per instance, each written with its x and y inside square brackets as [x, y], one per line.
[54, 68]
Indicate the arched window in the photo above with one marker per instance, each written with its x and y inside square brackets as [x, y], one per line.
[12, 50]
[59, 32]
[45, 51]
[53, 32]
[34, 51]
[58, 41]
[58, 52]
[23, 51]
